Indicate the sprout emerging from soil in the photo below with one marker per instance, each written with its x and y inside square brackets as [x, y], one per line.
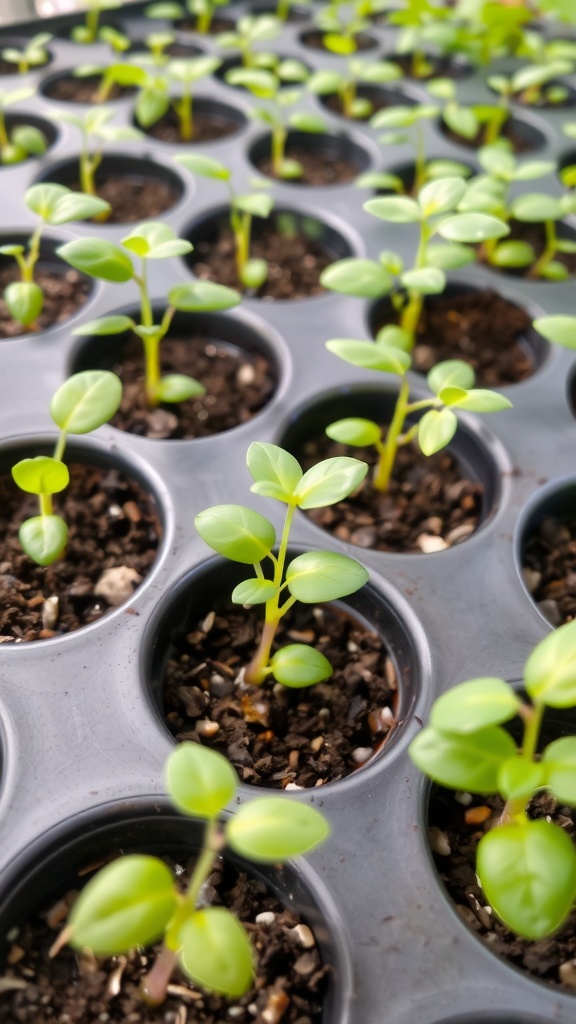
[250, 30]
[527, 868]
[22, 141]
[96, 131]
[154, 100]
[33, 55]
[345, 85]
[89, 31]
[202, 10]
[239, 533]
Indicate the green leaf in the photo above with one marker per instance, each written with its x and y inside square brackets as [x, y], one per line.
[534, 169]
[472, 227]
[473, 705]
[519, 778]
[216, 952]
[324, 576]
[254, 591]
[479, 400]
[450, 373]
[322, 82]
[77, 206]
[536, 207]
[370, 356]
[200, 781]
[550, 672]
[203, 297]
[554, 271]
[427, 281]
[258, 204]
[106, 325]
[127, 904]
[151, 105]
[380, 180]
[98, 258]
[275, 471]
[559, 764]
[470, 762]
[305, 122]
[299, 665]
[436, 429]
[395, 209]
[559, 329]
[461, 120]
[43, 538]
[29, 139]
[254, 273]
[42, 199]
[24, 300]
[41, 475]
[528, 873]
[354, 431]
[275, 828]
[449, 257]
[393, 117]
[329, 482]
[177, 387]
[512, 254]
[236, 532]
[441, 196]
[365, 279]
[155, 240]
[86, 401]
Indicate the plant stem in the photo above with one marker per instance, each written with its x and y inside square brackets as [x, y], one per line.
[279, 135]
[92, 17]
[256, 671]
[420, 159]
[348, 95]
[184, 111]
[243, 243]
[28, 264]
[495, 124]
[385, 463]
[547, 253]
[46, 507]
[413, 309]
[4, 140]
[516, 807]
[60, 446]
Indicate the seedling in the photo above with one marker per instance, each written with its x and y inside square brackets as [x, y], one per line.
[434, 209]
[267, 87]
[134, 901]
[96, 131]
[340, 29]
[88, 32]
[82, 404]
[491, 29]
[108, 262]
[482, 122]
[422, 23]
[251, 30]
[154, 99]
[534, 84]
[245, 536]
[452, 384]
[251, 272]
[283, 7]
[118, 73]
[33, 55]
[527, 868]
[358, 72]
[561, 330]
[22, 141]
[54, 205]
[202, 10]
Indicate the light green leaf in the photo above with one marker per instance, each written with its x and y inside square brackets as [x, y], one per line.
[512, 254]
[41, 475]
[275, 828]
[106, 325]
[200, 781]
[254, 273]
[98, 258]
[550, 672]
[427, 281]
[324, 576]
[254, 591]
[216, 952]
[441, 196]
[480, 400]
[177, 387]
[86, 401]
[449, 257]
[76, 206]
[205, 166]
[472, 227]
[203, 297]
[436, 429]
[395, 209]
[236, 532]
[43, 538]
[366, 279]
[354, 431]
[474, 705]
[370, 356]
[299, 665]
[536, 207]
[24, 300]
[559, 329]
[519, 778]
[559, 765]
[450, 373]
[275, 471]
[469, 762]
[329, 482]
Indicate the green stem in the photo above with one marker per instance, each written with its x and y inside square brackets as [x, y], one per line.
[146, 316]
[92, 18]
[4, 140]
[184, 111]
[495, 125]
[204, 20]
[413, 309]
[243, 242]
[60, 446]
[548, 252]
[516, 808]
[387, 458]
[28, 264]
[45, 502]
[279, 135]
[347, 96]
[420, 160]
[152, 368]
[256, 671]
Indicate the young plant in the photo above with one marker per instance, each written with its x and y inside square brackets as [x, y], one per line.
[527, 868]
[202, 10]
[251, 29]
[117, 73]
[22, 141]
[340, 29]
[251, 272]
[53, 205]
[135, 901]
[154, 99]
[239, 533]
[88, 32]
[346, 85]
[82, 404]
[452, 384]
[33, 55]
[534, 84]
[267, 87]
[490, 29]
[561, 330]
[108, 262]
[435, 211]
[422, 24]
[96, 131]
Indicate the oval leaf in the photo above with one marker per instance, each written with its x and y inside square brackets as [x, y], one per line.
[43, 538]
[436, 429]
[86, 401]
[474, 705]
[559, 329]
[324, 576]
[199, 780]
[469, 762]
[254, 591]
[550, 672]
[41, 475]
[275, 828]
[98, 258]
[275, 471]
[354, 431]
[370, 356]
[559, 762]
[177, 387]
[236, 532]
[395, 209]
[365, 279]
[299, 665]
[329, 481]
[216, 953]
[24, 301]
[472, 227]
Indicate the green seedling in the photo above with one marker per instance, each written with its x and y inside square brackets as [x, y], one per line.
[33, 55]
[251, 272]
[157, 44]
[154, 99]
[422, 24]
[117, 41]
[118, 73]
[435, 211]
[346, 85]
[82, 404]
[135, 901]
[96, 131]
[115, 263]
[53, 205]
[283, 8]
[202, 10]
[534, 84]
[22, 141]
[452, 384]
[561, 330]
[89, 31]
[340, 29]
[266, 86]
[406, 125]
[482, 123]
[526, 868]
[239, 533]
[251, 30]
[490, 29]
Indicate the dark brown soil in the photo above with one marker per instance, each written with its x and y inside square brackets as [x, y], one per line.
[295, 263]
[315, 40]
[207, 128]
[542, 958]
[8, 68]
[216, 25]
[65, 291]
[521, 141]
[534, 235]
[429, 505]
[79, 989]
[549, 567]
[319, 168]
[379, 99]
[275, 735]
[133, 197]
[69, 89]
[480, 327]
[238, 384]
[112, 522]
[440, 67]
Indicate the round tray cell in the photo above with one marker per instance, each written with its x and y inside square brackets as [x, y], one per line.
[524, 136]
[379, 98]
[421, 67]
[114, 531]
[136, 188]
[199, 643]
[213, 121]
[66, 87]
[235, 360]
[535, 235]
[8, 67]
[325, 159]
[314, 39]
[432, 502]
[460, 324]
[406, 172]
[272, 61]
[47, 129]
[65, 290]
[37, 891]
[545, 550]
[296, 246]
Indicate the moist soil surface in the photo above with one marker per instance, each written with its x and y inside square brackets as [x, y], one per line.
[77, 988]
[549, 567]
[534, 235]
[481, 327]
[440, 67]
[318, 168]
[112, 523]
[216, 25]
[65, 292]
[428, 507]
[133, 197]
[379, 99]
[274, 735]
[295, 263]
[542, 958]
[208, 126]
[238, 384]
[69, 89]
